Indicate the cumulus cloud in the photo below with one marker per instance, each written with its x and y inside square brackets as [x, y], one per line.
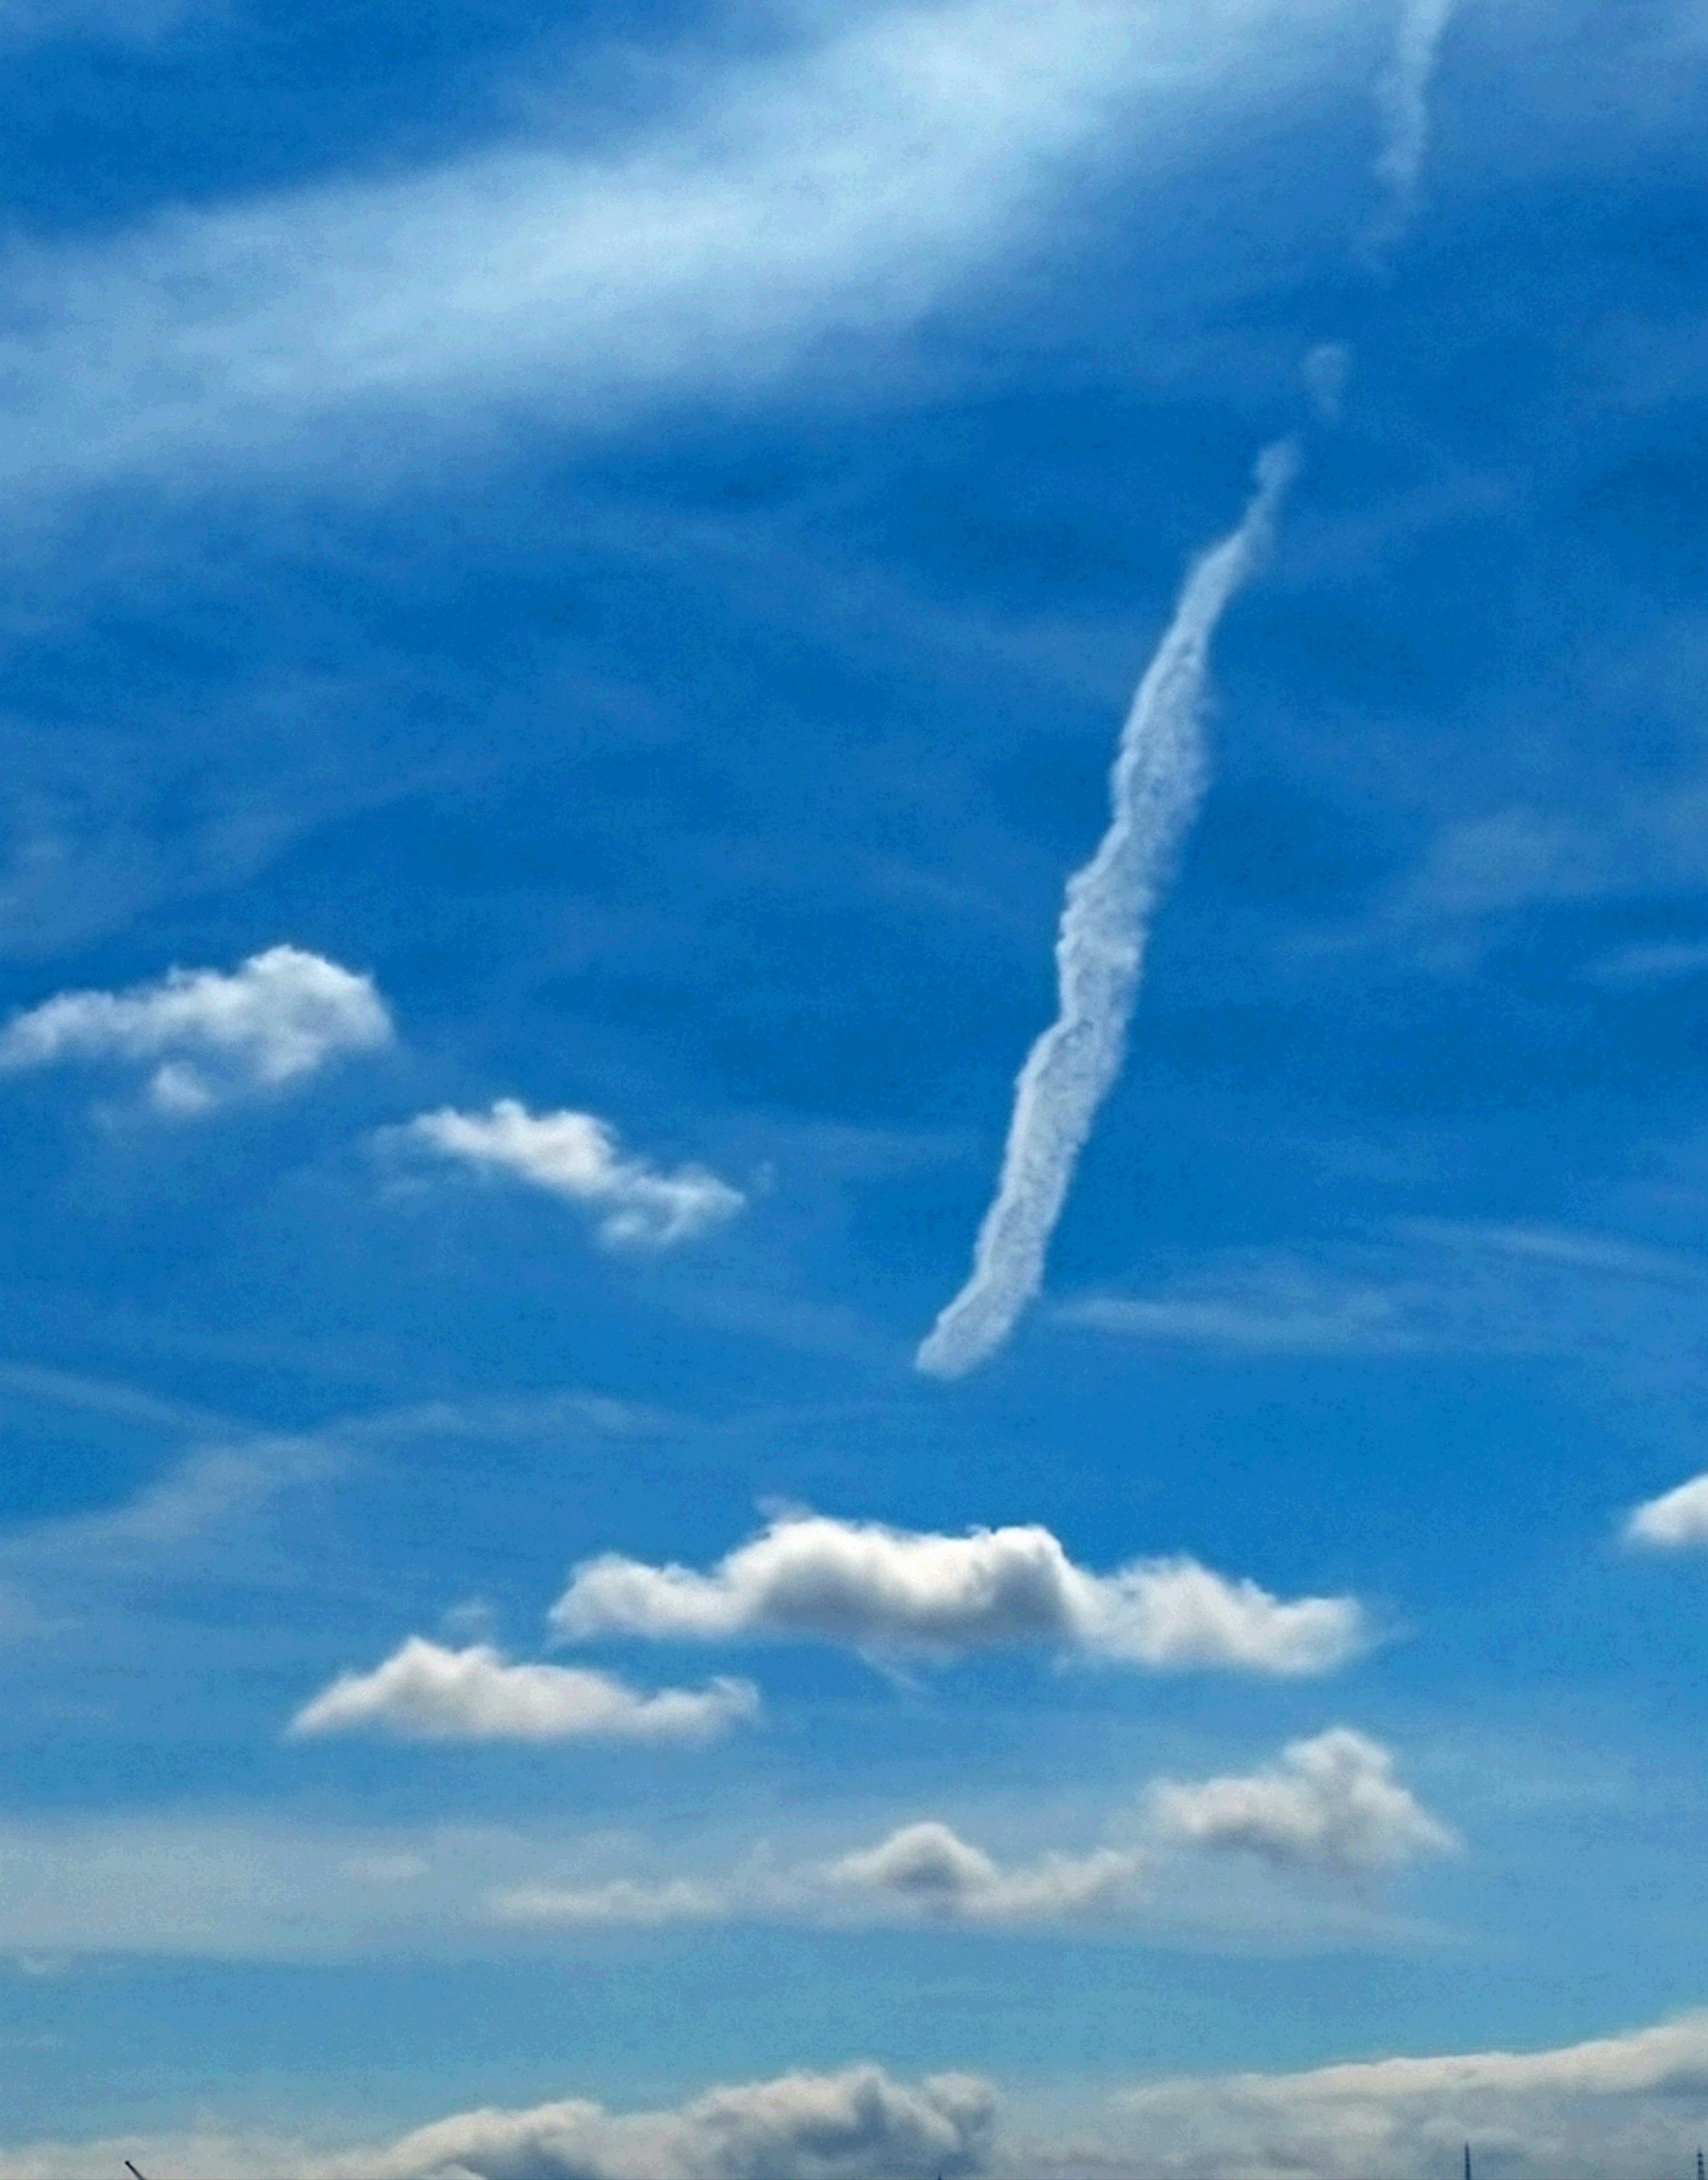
[1677, 1519]
[880, 1589]
[425, 1692]
[1632, 2103]
[860, 2124]
[928, 1867]
[1332, 1804]
[1155, 788]
[802, 2127]
[281, 1015]
[575, 1155]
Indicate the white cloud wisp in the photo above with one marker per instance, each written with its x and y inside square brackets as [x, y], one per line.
[425, 1692]
[880, 1590]
[1402, 105]
[1332, 1805]
[575, 1155]
[1155, 788]
[280, 1016]
[1677, 1520]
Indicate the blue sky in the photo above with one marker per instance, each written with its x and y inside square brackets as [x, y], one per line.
[572, 585]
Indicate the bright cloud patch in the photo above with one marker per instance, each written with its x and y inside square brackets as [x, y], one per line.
[283, 1014]
[1332, 1804]
[1634, 2103]
[427, 1693]
[882, 1589]
[575, 1155]
[619, 1900]
[930, 1867]
[1676, 1520]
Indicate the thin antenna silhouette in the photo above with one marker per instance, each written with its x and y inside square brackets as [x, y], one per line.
[1699, 2174]
[1467, 2163]
[130, 2168]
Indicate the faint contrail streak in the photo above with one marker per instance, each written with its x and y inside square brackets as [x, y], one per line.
[1403, 100]
[1155, 787]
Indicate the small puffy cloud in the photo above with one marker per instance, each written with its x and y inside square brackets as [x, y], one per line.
[859, 2125]
[931, 1868]
[425, 1692]
[1675, 1521]
[884, 1590]
[211, 1037]
[575, 1155]
[1332, 1805]
[619, 1900]
[1631, 2103]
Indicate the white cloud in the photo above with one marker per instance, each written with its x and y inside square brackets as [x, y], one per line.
[619, 1900]
[281, 1015]
[1637, 2102]
[860, 2124]
[840, 191]
[427, 1693]
[575, 1155]
[1676, 1520]
[1332, 1804]
[802, 2127]
[928, 1867]
[880, 1589]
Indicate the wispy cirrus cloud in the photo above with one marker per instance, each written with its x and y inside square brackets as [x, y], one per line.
[1155, 788]
[426, 1692]
[837, 193]
[209, 1037]
[576, 1156]
[1676, 1520]
[880, 1589]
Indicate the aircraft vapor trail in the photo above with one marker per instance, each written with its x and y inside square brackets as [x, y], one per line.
[1154, 789]
[1403, 98]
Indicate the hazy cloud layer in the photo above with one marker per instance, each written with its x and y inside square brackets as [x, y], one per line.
[837, 193]
[880, 1589]
[1332, 1804]
[575, 1155]
[1402, 102]
[425, 1692]
[1155, 788]
[281, 1015]
[1635, 2103]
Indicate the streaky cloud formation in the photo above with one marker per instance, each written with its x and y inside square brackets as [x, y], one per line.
[280, 1016]
[1402, 105]
[575, 1155]
[881, 1590]
[1157, 783]
[425, 1692]
[1675, 1521]
[930, 1867]
[1632, 2103]
[620, 1899]
[1332, 1805]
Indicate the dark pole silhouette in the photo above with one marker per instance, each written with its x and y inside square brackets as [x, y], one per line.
[131, 2169]
[1467, 2163]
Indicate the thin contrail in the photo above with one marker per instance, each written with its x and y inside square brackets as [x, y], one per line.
[1158, 779]
[1403, 100]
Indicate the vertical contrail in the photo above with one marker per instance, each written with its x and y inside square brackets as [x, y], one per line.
[1403, 101]
[1158, 779]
